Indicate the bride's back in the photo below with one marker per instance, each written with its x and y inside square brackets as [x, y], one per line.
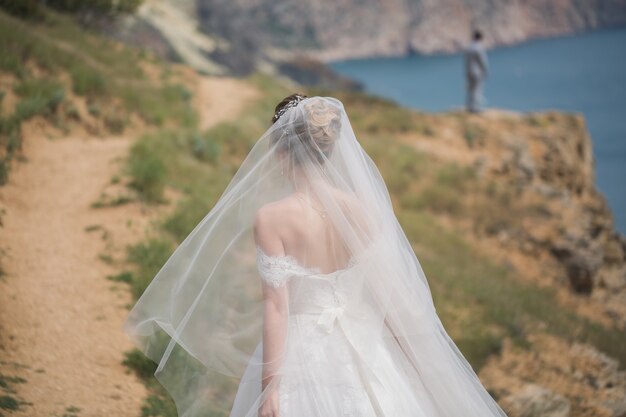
[298, 226]
[313, 222]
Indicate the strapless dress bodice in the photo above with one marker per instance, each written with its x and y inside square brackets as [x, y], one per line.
[311, 292]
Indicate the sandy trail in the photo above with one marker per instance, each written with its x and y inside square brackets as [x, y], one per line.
[60, 318]
[222, 99]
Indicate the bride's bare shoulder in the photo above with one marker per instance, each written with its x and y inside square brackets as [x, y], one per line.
[271, 217]
[276, 209]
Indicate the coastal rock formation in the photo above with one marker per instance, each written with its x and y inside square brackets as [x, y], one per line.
[568, 380]
[245, 35]
[534, 400]
[514, 188]
[535, 203]
[348, 29]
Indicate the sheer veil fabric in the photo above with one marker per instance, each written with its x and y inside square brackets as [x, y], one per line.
[337, 319]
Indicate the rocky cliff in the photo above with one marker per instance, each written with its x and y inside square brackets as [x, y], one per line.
[243, 35]
[348, 29]
[499, 207]
[523, 193]
[535, 203]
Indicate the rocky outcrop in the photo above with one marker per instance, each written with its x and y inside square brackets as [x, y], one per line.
[536, 401]
[169, 28]
[241, 36]
[329, 29]
[567, 380]
[536, 204]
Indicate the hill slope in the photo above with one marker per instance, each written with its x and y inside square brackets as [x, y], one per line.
[527, 272]
[242, 35]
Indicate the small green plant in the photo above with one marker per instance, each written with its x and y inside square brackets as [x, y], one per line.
[45, 105]
[94, 109]
[147, 170]
[8, 402]
[72, 112]
[106, 258]
[158, 405]
[106, 201]
[6, 382]
[88, 82]
[138, 362]
[71, 411]
[4, 170]
[125, 276]
[473, 134]
[93, 227]
[204, 148]
[149, 256]
[455, 177]
[435, 198]
[115, 123]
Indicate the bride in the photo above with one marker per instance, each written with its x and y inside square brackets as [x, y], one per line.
[299, 295]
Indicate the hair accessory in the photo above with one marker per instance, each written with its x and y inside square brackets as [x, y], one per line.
[292, 103]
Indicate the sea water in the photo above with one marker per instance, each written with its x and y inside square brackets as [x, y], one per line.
[584, 73]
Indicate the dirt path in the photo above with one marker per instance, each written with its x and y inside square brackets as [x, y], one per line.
[221, 99]
[60, 318]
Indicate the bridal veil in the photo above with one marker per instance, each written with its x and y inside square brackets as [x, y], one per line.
[201, 317]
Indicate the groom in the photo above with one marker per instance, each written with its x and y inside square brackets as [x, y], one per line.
[475, 72]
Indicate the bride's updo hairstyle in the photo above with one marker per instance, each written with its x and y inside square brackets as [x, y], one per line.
[309, 130]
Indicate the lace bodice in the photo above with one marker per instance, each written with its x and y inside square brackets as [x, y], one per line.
[276, 270]
[320, 358]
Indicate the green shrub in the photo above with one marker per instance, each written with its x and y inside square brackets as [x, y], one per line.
[39, 97]
[401, 166]
[138, 362]
[158, 104]
[27, 9]
[150, 256]
[230, 138]
[435, 198]
[147, 170]
[455, 176]
[94, 109]
[4, 170]
[458, 274]
[478, 347]
[8, 403]
[37, 87]
[101, 7]
[187, 215]
[125, 276]
[88, 82]
[159, 405]
[13, 142]
[72, 112]
[115, 122]
[473, 134]
[204, 148]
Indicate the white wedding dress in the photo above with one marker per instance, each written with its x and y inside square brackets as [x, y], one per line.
[233, 332]
[326, 370]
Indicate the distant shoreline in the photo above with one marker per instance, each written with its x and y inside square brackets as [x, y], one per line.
[457, 51]
[582, 73]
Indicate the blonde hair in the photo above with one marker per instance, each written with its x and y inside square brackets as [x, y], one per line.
[314, 132]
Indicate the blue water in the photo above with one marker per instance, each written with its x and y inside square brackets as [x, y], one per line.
[584, 73]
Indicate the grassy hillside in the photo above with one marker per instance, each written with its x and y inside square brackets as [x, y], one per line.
[481, 301]
[55, 72]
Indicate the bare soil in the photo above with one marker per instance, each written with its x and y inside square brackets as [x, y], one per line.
[60, 317]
